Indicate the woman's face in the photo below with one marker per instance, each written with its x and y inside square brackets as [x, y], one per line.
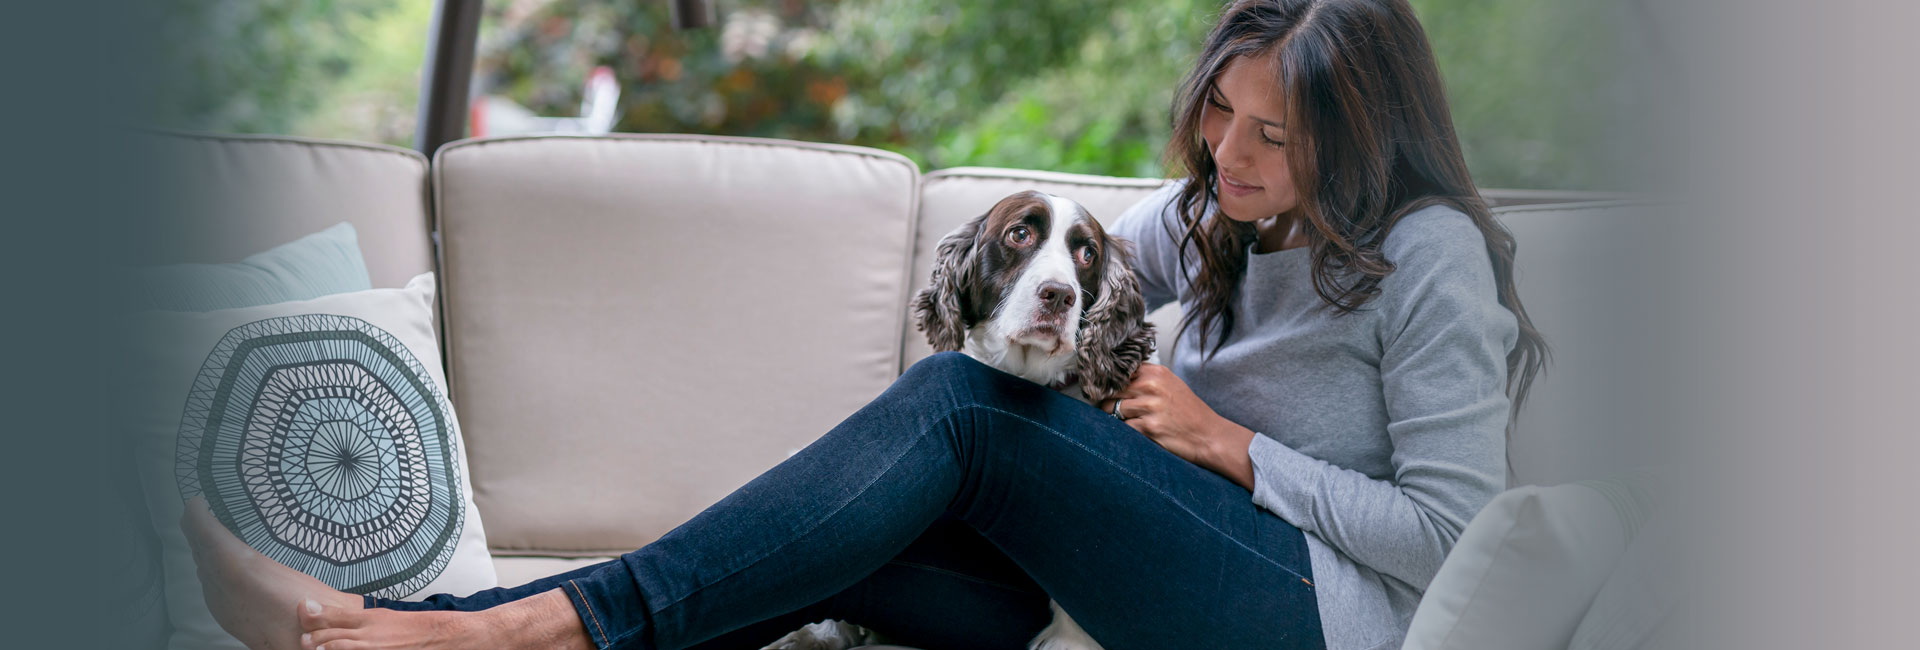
[1243, 126]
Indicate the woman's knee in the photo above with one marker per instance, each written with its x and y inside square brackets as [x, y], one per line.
[944, 369]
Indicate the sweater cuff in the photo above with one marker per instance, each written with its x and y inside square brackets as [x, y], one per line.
[1283, 480]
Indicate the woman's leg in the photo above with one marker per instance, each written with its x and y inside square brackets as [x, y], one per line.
[1142, 547]
[950, 588]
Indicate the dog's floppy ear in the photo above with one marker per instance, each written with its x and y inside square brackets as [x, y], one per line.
[938, 308]
[1116, 337]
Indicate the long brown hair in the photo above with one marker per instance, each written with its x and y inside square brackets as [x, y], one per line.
[1375, 142]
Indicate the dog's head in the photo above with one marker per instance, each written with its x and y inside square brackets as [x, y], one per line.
[1037, 288]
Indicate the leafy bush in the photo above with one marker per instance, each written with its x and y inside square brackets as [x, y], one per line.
[1539, 90]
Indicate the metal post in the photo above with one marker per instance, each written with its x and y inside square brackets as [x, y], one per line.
[692, 14]
[448, 76]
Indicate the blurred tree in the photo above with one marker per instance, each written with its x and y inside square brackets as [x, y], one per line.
[1542, 92]
[340, 68]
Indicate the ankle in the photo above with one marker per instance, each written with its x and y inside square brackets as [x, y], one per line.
[546, 621]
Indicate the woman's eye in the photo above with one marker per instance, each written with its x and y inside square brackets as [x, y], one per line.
[1019, 235]
[1217, 104]
[1271, 141]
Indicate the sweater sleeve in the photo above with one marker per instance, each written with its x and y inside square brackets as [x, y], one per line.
[1152, 227]
[1444, 340]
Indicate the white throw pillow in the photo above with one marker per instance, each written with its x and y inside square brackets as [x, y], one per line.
[320, 433]
[1523, 573]
[1648, 592]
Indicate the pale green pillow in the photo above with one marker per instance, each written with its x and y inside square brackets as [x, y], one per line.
[320, 264]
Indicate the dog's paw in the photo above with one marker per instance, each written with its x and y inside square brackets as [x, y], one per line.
[1062, 634]
[1045, 642]
[825, 635]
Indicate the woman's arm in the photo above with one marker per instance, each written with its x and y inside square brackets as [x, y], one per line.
[1444, 340]
[1443, 376]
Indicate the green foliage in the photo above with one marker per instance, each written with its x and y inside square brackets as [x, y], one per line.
[1540, 91]
[292, 66]
[1537, 88]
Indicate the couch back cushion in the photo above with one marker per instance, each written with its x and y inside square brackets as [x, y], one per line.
[948, 198]
[239, 195]
[638, 325]
[1599, 280]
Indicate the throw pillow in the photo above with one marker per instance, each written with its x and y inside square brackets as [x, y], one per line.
[1525, 569]
[320, 433]
[323, 263]
[1648, 590]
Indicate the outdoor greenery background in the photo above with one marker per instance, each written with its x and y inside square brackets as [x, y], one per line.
[1541, 91]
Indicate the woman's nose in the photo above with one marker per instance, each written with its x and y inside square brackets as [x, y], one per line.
[1229, 153]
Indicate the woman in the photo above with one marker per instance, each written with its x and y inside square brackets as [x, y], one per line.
[1334, 416]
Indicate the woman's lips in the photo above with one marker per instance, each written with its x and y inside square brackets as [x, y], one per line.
[1232, 188]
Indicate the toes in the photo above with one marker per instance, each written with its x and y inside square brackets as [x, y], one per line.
[315, 617]
[333, 639]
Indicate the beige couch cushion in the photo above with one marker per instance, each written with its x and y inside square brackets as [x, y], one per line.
[950, 197]
[240, 195]
[516, 570]
[640, 324]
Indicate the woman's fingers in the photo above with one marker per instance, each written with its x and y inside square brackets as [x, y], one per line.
[1131, 409]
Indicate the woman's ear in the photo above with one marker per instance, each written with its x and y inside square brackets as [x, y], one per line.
[939, 309]
[1116, 337]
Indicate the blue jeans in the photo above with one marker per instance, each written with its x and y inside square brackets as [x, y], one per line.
[944, 514]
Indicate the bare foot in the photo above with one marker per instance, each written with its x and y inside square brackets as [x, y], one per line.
[544, 621]
[251, 596]
[357, 629]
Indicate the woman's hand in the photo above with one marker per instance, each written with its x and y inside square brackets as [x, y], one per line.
[1161, 406]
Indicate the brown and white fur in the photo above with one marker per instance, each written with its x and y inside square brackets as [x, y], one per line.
[1036, 288]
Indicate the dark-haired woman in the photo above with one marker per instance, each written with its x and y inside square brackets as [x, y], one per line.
[1352, 350]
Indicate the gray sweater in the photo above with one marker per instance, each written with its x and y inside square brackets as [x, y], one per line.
[1381, 432]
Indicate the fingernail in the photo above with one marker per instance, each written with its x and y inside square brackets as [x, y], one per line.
[313, 607]
[306, 640]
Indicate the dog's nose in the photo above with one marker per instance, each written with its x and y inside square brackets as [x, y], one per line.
[1056, 295]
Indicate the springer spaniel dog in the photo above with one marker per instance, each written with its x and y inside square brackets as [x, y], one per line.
[1036, 288]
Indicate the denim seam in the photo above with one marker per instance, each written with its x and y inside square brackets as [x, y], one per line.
[607, 643]
[1163, 493]
[823, 520]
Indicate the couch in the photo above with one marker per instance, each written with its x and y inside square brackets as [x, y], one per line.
[634, 325]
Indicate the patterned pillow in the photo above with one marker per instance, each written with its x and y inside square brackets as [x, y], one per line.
[320, 433]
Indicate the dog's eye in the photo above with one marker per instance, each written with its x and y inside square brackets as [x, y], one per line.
[1083, 255]
[1020, 235]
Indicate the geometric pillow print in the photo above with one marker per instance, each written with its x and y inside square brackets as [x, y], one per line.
[322, 443]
